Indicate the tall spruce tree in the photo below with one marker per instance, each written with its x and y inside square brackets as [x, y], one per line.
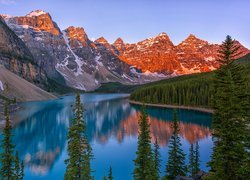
[191, 158]
[144, 161]
[176, 157]
[157, 158]
[196, 158]
[79, 150]
[230, 158]
[7, 158]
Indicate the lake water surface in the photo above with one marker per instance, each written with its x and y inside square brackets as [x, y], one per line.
[112, 129]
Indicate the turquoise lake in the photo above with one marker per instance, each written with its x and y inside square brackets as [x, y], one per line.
[112, 130]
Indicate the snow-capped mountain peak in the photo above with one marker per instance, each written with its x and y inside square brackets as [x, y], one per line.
[36, 13]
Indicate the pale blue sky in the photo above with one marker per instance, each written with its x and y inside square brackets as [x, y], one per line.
[135, 20]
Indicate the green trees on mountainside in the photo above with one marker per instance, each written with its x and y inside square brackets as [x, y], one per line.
[231, 153]
[195, 91]
[79, 150]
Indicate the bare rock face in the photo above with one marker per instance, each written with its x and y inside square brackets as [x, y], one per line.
[155, 54]
[15, 56]
[196, 55]
[39, 21]
[159, 54]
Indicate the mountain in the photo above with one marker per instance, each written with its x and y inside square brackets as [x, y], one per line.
[15, 56]
[70, 58]
[15, 87]
[159, 54]
[155, 54]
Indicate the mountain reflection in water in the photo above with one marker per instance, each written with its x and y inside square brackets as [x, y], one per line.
[41, 138]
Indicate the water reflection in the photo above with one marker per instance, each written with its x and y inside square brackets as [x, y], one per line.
[41, 138]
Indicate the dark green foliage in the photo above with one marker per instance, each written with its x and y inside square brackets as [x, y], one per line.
[144, 161]
[176, 157]
[79, 150]
[157, 158]
[230, 158]
[191, 158]
[18, 170]
[110, 175]
[189, 91]
[194, 159]
[7, 159]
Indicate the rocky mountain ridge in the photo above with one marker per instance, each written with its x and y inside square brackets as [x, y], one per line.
[71, 58]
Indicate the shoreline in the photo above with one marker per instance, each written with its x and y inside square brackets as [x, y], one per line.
[205, 110]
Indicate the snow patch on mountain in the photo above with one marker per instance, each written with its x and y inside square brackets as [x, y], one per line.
[36, 13]
[1, 86]
[78, 61]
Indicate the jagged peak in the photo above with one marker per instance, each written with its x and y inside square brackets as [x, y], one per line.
[36, 13]
[193, 40]
[161, 36]
[75, 29]
[119, 41]
[192, 37]
[101, 40]
[5, 16]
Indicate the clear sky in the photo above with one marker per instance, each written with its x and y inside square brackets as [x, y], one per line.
[135, 20]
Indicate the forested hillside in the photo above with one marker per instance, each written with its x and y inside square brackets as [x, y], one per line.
[189, 90]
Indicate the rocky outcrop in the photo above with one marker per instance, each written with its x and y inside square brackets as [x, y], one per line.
[15, 56]
[155, 54]
[15, 87]
[159, 54]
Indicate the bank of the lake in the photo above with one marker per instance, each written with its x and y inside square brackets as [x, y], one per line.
[206, 110]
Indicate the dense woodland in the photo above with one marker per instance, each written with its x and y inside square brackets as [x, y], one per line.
[188, 90]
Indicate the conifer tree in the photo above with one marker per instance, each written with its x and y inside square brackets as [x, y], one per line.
[79, 150]
[86, 165]
[18, 168]
[110, 175]
[191, 160]
[144, 161]
[176, 158]
[196, 158]
[7, 159]
[231, 118]
[157, 158]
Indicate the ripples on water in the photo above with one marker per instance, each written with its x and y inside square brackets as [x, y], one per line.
[112, 129]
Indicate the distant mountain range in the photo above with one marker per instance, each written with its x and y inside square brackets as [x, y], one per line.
[42, 50]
